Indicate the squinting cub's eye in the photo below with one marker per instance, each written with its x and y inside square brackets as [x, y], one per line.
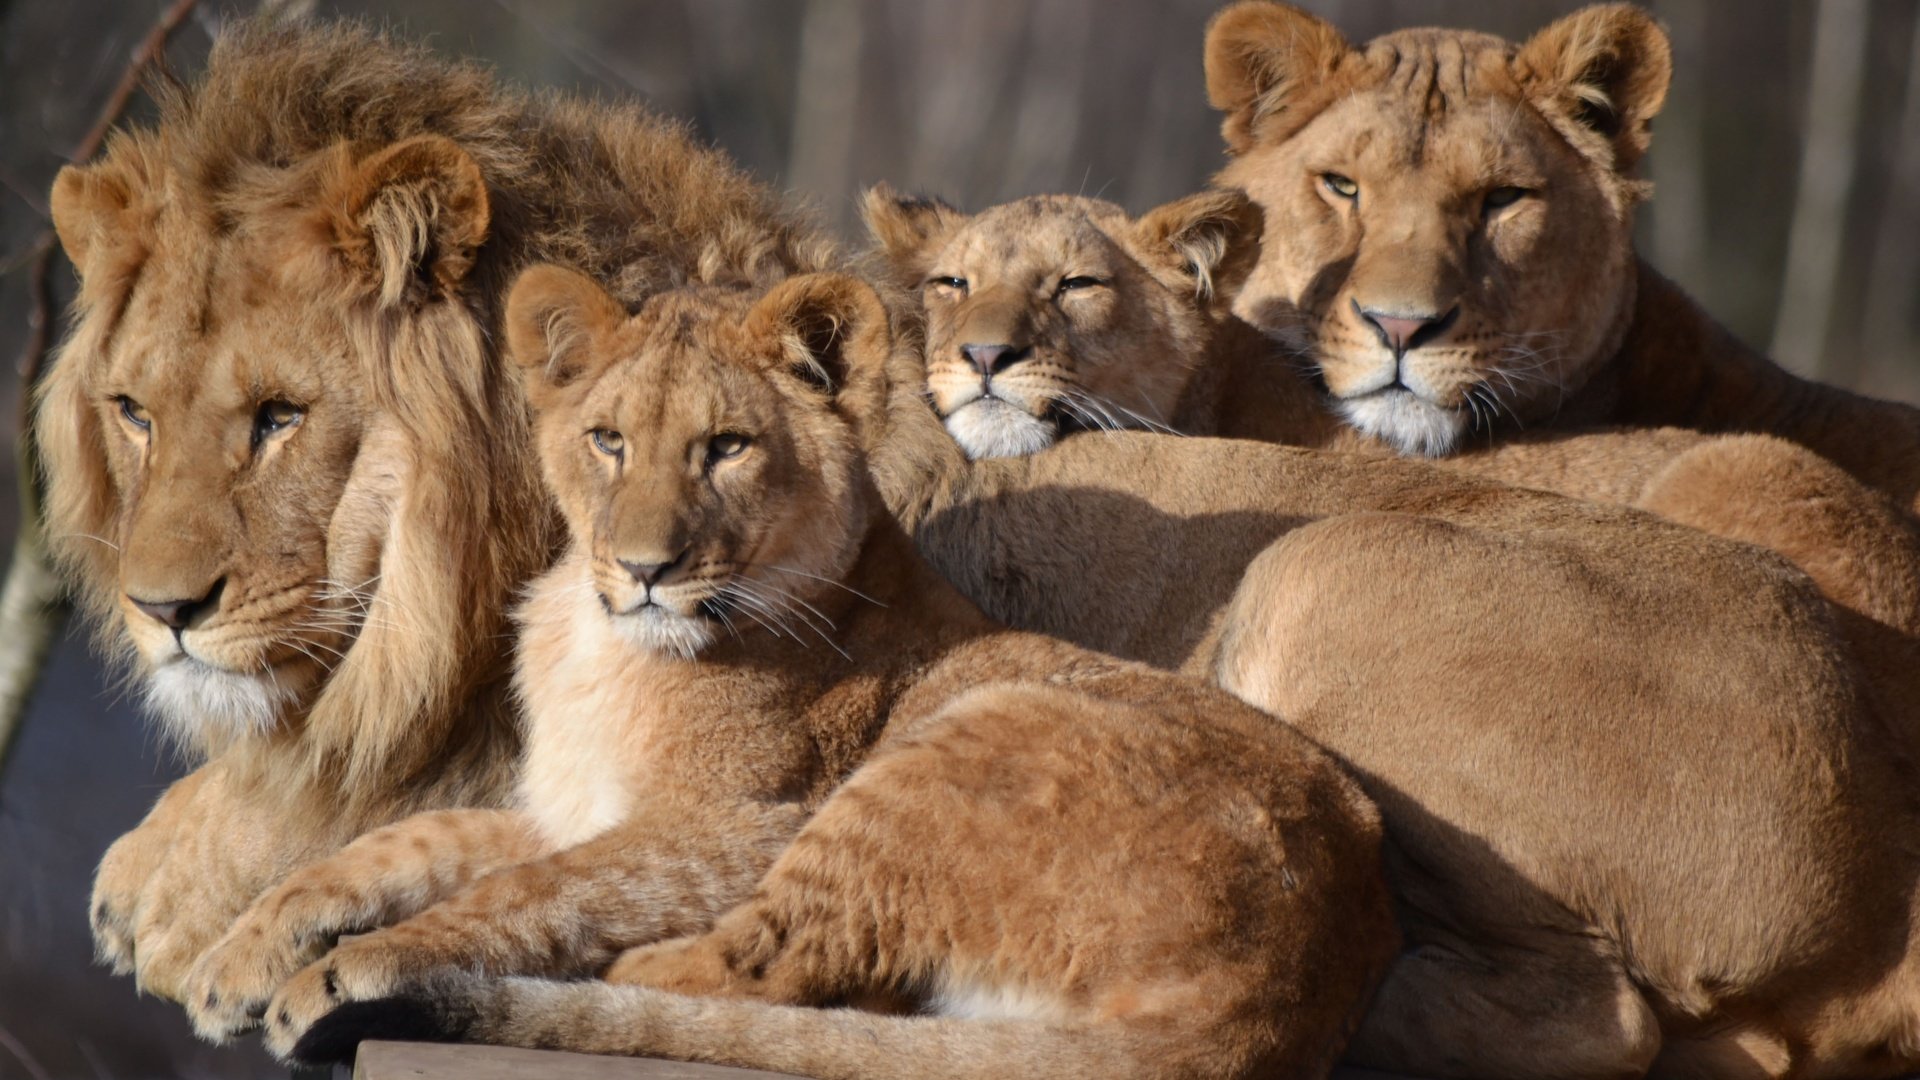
[726, 445]
[134, 413]
[957, 284]
[1505, 196]
[276, 416]
[1340, 185]
[607, 441]
[1074, 284]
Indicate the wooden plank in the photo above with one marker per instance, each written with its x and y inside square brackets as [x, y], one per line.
[435, 1061]
[446, 1061]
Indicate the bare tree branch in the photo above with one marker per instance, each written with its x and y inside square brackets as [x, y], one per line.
[30, 606]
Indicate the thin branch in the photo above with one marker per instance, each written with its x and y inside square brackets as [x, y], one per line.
[30, 606]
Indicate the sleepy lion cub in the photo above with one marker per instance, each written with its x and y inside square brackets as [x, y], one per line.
[1059, 314]
[772, 746]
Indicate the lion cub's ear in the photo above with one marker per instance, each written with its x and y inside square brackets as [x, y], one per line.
[558, 321]
[1270, 68]
[1606, 70]
[831, 331]
[909, 230]
[1215, 235]
[409, 219]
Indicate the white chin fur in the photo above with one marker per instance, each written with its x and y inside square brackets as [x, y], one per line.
[658, 630]
[205, 706]
[988, 428]
[1409, 423]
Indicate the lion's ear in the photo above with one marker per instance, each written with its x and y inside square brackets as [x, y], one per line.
[1215, 234]
[557, 322]
[1270, 68]
[831, 331]
[89, 203]
[410, 218]
[1606, 70]
[909, 230]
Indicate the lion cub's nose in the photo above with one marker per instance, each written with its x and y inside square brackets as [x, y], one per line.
[1403, 332]
[647, 573]
[991, 360]
[177, 615]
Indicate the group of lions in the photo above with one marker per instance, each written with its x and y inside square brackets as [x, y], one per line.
[613, 616]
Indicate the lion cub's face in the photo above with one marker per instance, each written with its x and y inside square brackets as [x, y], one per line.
[1057, 313]
[702, 450]
[1448, 215]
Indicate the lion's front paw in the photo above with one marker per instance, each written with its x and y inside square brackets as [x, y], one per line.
[125, 870]
[172, 938]
[362, 969]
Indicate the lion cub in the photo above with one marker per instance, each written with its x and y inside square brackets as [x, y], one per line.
[1058, 313]
[771, 746]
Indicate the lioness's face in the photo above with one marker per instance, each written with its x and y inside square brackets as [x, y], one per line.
[1447, 215]
[229, 427]
[710, 487]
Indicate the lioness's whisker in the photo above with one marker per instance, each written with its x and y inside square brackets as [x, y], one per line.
[829, 581]
[90, 536]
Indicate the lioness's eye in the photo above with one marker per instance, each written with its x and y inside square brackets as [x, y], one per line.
[607, 441]
[134, 413]
[726, 445]
[274, 417]
[1340, 185]
[1505, 196]
[1071, 284]
[957, 284]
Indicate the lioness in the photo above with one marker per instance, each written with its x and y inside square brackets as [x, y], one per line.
[762, 727]
[1449, 221]
[287, 470]
[1059, 313]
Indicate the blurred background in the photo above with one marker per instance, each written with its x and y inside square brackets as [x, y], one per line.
[1787, 166]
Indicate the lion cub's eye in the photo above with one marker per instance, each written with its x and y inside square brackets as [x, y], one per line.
[726, 445]
[608, 441]
[1075, 284]
[274, 417]
[945, 281]
[134, 413]
[1505, 196]
[1340, 185]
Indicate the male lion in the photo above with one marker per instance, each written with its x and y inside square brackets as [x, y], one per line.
[768, 744]
[287, 469]
[1056, 314]
[1449, 220]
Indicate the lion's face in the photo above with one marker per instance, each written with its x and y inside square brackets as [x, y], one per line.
[701, 450]
[1448, 216]
[1057, 313]
[227, 467]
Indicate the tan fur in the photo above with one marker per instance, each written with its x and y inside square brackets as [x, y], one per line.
[282, 398]
[829, 777]
[1552, 321]
[1182, 356]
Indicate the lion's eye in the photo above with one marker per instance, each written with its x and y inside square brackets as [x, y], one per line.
[608, 441]
[1340, 185]
[1074, 284]
[726, 445]
[134, 413]
[274, 417]
[1505, 196]
[947, 281]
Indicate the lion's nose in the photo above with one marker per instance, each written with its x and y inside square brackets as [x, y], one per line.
[991, 360]
[1403, 332]
[648, 573]
[177, 615]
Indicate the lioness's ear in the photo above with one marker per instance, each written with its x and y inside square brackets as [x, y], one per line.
[909, 230]
[1216, 234]
[830, 330]
[1604, 70]
[556, 320]
[410, 218]
[1270, 68]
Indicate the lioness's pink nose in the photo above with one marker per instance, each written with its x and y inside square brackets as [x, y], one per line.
[991, 360]
[1402, 331]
